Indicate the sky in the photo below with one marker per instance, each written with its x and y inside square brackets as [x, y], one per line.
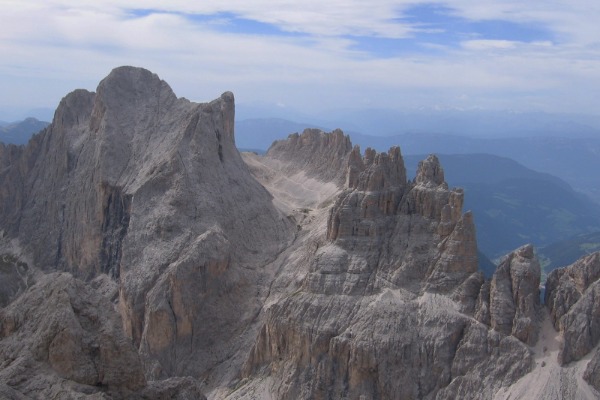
[311, 55]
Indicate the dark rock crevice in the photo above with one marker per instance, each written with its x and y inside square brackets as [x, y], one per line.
[116, 210]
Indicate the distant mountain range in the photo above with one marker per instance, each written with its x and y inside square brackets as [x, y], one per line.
[574, 157]
[510, 201]
[20, 132]
[576, 160]
[566, 252]
[260, 133]
[514, 205]
[447, 121]
[476, 123]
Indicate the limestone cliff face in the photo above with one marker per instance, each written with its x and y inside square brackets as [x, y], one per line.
[149, 189]
[381, 310]
[15, 278]
[573, 298]
[64, 325]
[514, 299]
[421, 238]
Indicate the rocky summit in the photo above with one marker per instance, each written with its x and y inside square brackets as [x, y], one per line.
[144, 257]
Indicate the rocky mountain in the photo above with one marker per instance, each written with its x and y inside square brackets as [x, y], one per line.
[135, 184]
[145, 257]
[20, 132]
[515, 205]
[408, 320]
[559, 148]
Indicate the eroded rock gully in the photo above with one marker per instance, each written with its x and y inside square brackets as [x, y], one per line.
[315, 271]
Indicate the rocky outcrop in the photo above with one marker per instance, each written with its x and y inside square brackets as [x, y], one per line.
[185, 388]
[318, 154]
[423, 240]
[573, 298]
[592, 372]
[62, 339]
[514, 299]
[510, 302]
[375, 187]
[61, 330]
[380, 313]
[133, 183]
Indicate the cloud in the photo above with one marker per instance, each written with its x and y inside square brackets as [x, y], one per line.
[311, 54]
[478, 45]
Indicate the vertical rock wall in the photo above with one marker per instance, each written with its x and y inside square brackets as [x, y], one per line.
[149, 189]
[573, 298]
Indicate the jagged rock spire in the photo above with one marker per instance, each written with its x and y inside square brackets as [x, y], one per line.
[430, 172]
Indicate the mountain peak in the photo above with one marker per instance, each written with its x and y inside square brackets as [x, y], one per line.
[322, 270]
[430, 172]
[320, 154]
[127, 87]
[125, 74]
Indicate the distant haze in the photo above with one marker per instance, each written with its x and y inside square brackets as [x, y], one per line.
[474, 123]
[311, 57]
[560, 147]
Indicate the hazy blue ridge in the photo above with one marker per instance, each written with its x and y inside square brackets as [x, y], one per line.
[565, 252]
[261, 133]
[20, 132]
[485, 264]
[514, 205]
[572, 157]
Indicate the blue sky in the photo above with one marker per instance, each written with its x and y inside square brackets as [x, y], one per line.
[311, 56]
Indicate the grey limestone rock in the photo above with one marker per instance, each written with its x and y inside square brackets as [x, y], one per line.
[422, 238]
[430, 172]
[370, 291]
[184, 388]
[572, 296]
[592, 371]
[514, 296]
[61, 330]
[384, 309]
[133, 183]
[315, 152]
[62, 339]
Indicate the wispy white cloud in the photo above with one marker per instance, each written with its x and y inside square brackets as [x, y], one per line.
[60, 45]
